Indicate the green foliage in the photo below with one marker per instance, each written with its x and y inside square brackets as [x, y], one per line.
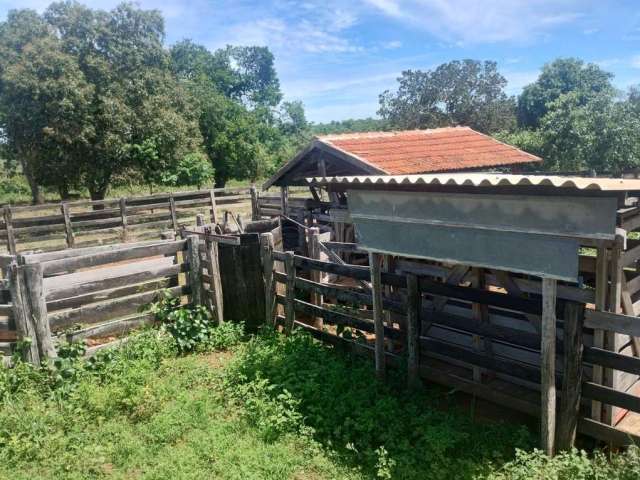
[467, 92]
[351, 125]
[194, 169]
[562, 76]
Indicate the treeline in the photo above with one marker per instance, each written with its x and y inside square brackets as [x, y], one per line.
[572, 116]
[89, 98]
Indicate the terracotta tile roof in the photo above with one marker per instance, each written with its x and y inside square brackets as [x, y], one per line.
[421, 151]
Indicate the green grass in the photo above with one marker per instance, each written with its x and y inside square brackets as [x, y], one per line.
[268, 407]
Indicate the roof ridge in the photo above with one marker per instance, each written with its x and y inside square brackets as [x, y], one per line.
[382, 134]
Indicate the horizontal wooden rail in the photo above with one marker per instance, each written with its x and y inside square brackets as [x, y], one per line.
[113, 328]
[613, 360]
[611, 396]
[615, 322]
[92, 260]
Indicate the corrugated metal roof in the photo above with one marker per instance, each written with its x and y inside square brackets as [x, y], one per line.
[486, 180]
[423, 151]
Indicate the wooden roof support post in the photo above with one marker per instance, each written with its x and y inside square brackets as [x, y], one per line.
[598, 334]
[375, 261]
[284, 200]
[572, 375]
[316, 275]
[548, 366]
[414, 307]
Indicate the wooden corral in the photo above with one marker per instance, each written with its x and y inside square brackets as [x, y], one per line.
[84, 223]
[481, 325]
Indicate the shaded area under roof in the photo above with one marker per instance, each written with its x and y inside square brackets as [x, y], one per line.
[404, 152]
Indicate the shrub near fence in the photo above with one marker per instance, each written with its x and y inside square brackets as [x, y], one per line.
[85, 223]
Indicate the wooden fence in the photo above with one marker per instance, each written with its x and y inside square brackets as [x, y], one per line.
[97, 294]
[477, 340]
[85, 223]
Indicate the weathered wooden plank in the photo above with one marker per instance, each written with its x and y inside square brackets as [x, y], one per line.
[266, 246]
[22, 314]
[572, 376]
[96, 313]
[113, 328]
[611, 396]
[195, 269]
[602, 262]
[615, 322]
[375, 265]
[289, 307]
[64, 208]
[607, 433]
[215, 282]
[102, 258]
[548, 366]
[11, 240]
[613, 360]
[33, 279]
[413, 331]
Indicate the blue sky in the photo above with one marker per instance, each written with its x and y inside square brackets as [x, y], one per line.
[337, 56]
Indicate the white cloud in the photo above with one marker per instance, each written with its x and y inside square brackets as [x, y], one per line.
[488, 21]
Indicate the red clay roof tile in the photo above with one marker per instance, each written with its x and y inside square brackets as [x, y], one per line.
[422, 151]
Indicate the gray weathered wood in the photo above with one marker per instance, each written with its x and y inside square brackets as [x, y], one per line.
[289, 307]
[110, 256]
[215, 283]
[375, 265]
[172, 210]
[212, 199]
[284, 200]
[266, 249]
[316, 276]
[255, 209]
[615, 322]
[195, 269]
[11, 239]
[572, 376]
[547, 366]
[413, 331]
[115, 327]
[38, 308]
[64, 208]
[22, 314]
[598, 333]
[200, 220]
[123, 218]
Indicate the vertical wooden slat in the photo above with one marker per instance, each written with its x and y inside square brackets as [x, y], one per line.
[8, 222]
[214, 215]
[172, 209]
[413, 331]
[598, 334]
[215, 282]
[21, 314]
[255, 209]
[33, 277]
[123, 218]
[266, 248]
[316, 275]
[64, 209]
[480, 315]
[289, 307]
[195, 269]
[572, 376]
[284, 200]
[548, 366]
[375, 260]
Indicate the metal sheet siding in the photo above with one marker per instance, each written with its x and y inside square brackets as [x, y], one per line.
[586, 217]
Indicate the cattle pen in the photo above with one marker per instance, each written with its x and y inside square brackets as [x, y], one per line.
[521, 290]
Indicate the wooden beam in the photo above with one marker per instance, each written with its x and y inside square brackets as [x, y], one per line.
[598, 332]
[284, 200]
[572, 376]
[172, 210]
[38, 308]
[215, 281]
[289, 307]
[375, 265]
[267, 244]
[316, 275]
[11, 239]
[413, 331]
[212, 199]
[64, 208]
[195, 269]
[22, 314]
[548, 364]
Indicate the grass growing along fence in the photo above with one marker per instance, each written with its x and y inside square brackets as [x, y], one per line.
[271, 407]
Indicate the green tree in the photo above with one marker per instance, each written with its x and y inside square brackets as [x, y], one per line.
[466, 92]
[351, 125]
[559, 77]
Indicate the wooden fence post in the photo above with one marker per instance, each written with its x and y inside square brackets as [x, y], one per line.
[378, 313]
[8, 222]
[572, 376]
[413, 331]
[289, 306]
[284, 200]
[21, 314]
[33, 280]
[200, 220]
[316, 275]
[64, 209]
[123, 217]
[266, 249]
[598, 334]
[172, 209]
[195, 269]
[214, 216]
[548, 365]
[215, 282]
[255, 209]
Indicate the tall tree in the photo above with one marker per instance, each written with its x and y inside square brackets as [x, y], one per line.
[467, 92]
[557, 78]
